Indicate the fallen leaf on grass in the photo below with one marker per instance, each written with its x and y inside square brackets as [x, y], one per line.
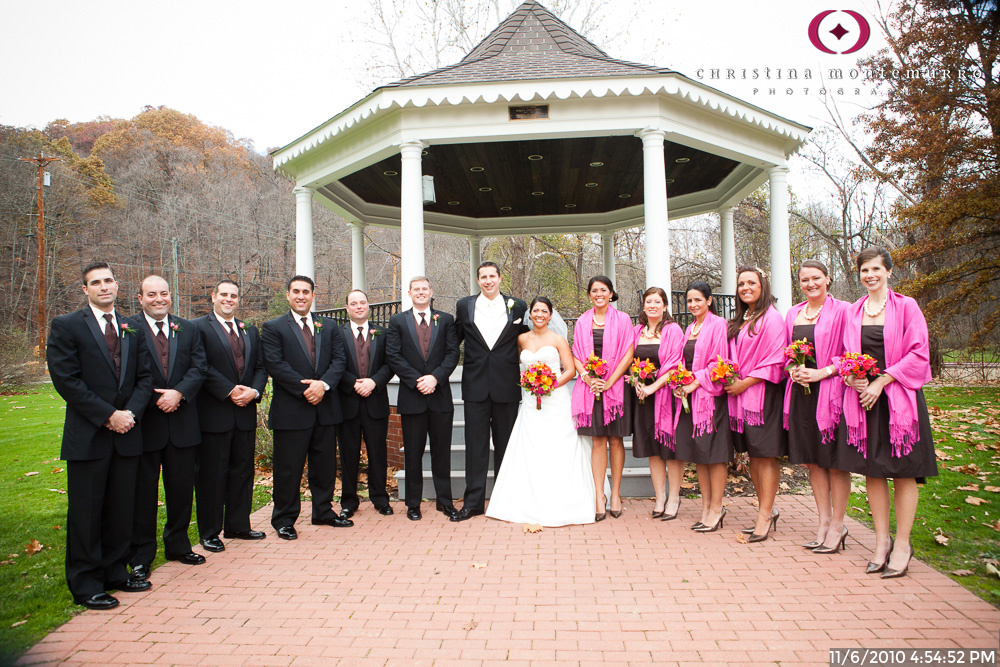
[58, 491]
[785, 470]
[941, 539]
[56, 470]
[31, 474]
[993, 569]
[973, 500]
[479, 566]
[941, 456]
[14, 625]
[968, 469]
[995, 526]
[532, 528]
[33, 547]
[962, 573]
[969, 487]
[993, 489]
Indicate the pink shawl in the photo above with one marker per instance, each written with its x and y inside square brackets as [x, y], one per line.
[760, 354]
[710, 344]
[618, 339]
[907, 360]
[670, 354]
[829, 339]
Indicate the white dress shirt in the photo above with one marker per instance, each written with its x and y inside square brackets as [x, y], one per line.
[364, 329]
[490, 317]
[427, 316]
[101, 322]
[309, 321]
[152, 324]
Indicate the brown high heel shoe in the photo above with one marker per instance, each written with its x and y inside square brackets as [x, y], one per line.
[874, 567]
[841, 544]
[671, 517]
[711, 529]
[617, 514]
[893, 574]
[772, 525]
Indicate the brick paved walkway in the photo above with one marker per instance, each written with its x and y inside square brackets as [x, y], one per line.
[392, 591]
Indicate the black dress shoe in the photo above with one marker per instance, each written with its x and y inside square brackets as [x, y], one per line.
[213, 544]
[288, 533]
[346, 514]
[190, 558]
[335, 521]
[413, 513]
[134, 586]
[384, 510]
[244, 535]
[447, 509]
[99, 601]
[466, 513]
[140, 572]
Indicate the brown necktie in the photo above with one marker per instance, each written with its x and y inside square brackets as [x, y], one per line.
[114, 345]
[236, 343]
[424, 335]
[361, 348]
[310, 340]
[162, 349]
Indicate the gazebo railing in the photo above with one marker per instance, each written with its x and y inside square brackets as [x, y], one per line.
[381, 312]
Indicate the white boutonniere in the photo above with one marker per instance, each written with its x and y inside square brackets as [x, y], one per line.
[510, 305]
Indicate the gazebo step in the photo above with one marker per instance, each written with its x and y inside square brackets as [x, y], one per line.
[636, 483]
[458, 453]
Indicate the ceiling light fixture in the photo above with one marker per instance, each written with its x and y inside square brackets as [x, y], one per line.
[682, 160]
[505, 208]
[624, 196]
[537, 193]
[477, 169]
[486, 189]
[535, 157]
[570, 205]
[590, 185]
[669, 181]
[390, 172]
[596, 164]
[454, 203]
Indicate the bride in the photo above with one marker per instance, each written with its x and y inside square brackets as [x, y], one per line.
[546, 477]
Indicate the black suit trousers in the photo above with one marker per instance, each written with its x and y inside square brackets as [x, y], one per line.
[101, 497]
[375, 431]
[178, 491]
[416, 429]
[224, 482]
[482, 419]
[291, 449]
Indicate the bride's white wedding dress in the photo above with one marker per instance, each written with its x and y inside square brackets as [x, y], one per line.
[546, 476]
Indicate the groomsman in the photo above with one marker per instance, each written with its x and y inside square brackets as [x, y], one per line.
[304, 355]
[99, 367]
[227, 408]
[365, 402]
[170, 430]
[422, 349]
[489, 323]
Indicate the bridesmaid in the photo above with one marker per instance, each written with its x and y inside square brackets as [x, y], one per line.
[703, 435]
[659, 340]
[756, 342]
[599, 406]
[885, 431]
[811, 419]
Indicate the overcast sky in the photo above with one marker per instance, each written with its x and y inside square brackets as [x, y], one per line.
[272, 71]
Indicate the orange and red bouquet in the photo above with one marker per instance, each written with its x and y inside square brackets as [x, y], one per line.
[538, 380]
[680, 377]
[596, 367]
[797, 353]
[642, 372]
[860, 366]
[724, 371]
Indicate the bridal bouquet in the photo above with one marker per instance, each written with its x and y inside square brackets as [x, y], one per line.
[724, 371]
[596, 367]
[680, 377]
[641, 372]
[539, 380]
[860, 366]
[796, 354]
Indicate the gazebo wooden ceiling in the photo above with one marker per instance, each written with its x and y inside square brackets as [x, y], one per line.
[540, 177]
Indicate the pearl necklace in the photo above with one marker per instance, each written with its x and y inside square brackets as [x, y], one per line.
[878, 312]
[696, 328]
[746, 315]
[811, 318]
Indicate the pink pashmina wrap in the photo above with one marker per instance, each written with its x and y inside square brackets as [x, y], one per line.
[760, 354]
[829, 339]
[618, 337]
[710, 344]
[669, 355]
[907, 360]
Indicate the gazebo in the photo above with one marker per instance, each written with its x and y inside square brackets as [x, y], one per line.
[538, 131]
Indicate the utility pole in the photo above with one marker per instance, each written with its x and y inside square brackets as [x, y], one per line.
[173, 254]
[41, 161]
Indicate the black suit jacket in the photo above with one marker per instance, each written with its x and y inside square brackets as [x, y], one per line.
[84, 375]
[402, 351]
[186, 372]
[216, 412]
[490, 374]
[377, 403]
[287, 362]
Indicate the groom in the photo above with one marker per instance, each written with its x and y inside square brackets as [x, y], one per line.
[489, 323]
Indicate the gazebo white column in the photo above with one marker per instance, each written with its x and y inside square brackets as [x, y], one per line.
[475, 259]
[608, 247]
[781, 262]
[359, 276]
[728, 250]
[411, 216]
[304, 260]
[655, 192]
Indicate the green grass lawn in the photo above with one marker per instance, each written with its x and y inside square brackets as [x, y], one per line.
[33, 594]
[952, 533]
